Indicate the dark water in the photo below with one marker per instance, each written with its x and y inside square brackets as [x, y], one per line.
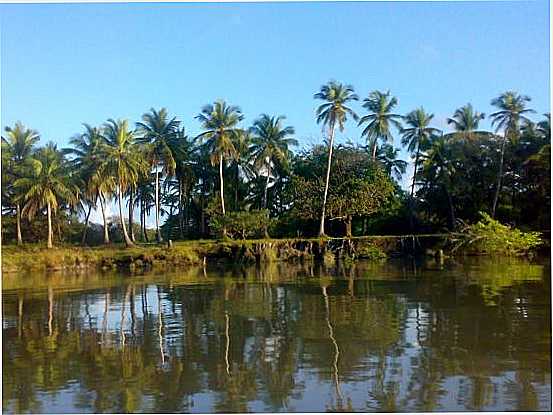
[282, 338]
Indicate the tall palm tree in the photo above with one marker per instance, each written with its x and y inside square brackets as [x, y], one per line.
[465, 123]
[417, 136]
[333, 113]
[512, 109]
[240, 164]
[18, 145]
[121, 159]
[270, 145]
[380, 119]
[157, 130]
[47, 184]
[220, 120]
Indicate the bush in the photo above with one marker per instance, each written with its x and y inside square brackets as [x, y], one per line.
[488, 236]
[245, 224]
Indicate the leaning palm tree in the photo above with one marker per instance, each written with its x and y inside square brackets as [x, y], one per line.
[121, 159]
[17, 147]
[220, 120]
[333, 113]
[270, 145]
[157, 130]
[380, 119]
[512, 110]
[47, 184]
[417, 136]
[465, 123]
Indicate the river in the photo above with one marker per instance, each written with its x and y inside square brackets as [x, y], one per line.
[400, 336]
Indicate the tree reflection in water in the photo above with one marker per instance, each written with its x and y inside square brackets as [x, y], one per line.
[470, 336]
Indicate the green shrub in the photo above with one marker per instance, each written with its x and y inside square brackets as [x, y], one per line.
[370, 252]
[243, 225]
[488, 236]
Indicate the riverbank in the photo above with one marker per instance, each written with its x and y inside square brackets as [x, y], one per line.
[180, 254]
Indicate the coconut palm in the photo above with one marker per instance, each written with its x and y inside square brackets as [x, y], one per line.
[47, 184]
[122, 160]
[387, 155]
[512, 110]
[17, 147]
[417, 136]
[220, 120]
[465, 123]
[544, 127]
[270, 145]
[95, 187]
[438, 169]
[333, 113]
[380, 119]
[156, 130]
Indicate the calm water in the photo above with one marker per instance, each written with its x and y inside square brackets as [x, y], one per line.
[394, 337]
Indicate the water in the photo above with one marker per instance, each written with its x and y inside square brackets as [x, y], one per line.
[393, 337]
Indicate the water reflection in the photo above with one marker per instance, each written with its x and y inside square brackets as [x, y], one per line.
[392, 337]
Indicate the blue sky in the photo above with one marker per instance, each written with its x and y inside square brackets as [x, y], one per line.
[65, 64]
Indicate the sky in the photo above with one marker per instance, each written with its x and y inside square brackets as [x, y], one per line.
[66, 64]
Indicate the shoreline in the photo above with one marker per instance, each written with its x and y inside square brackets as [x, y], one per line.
[181, 254]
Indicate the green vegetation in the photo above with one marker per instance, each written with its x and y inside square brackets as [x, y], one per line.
[237, 181]
[491, 237]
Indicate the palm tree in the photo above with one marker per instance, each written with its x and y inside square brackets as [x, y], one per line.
[270, 145]
[18, 146]
[544, 127]
[465, 122]
[46, 184]
[240, 164]
[157, 129]
[380, 119]
[87, 159]
[438, 168]
[333, 112]
[220, 120]
[387, 155]
[512, 110]
[417, 136]
[121, 159]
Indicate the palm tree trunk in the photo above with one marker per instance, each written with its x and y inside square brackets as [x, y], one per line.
[451, 209]
[374, 150]
[49, 210]
[18, 221]
[411, 200]
[348, 226]
[322, 225]
[142, 220]
[221, 183]
[266, 185]
[499, 175]
[106, 233]
[128, 241]
[181, 210]
[131, 214]
[83, 240]
[158, 232]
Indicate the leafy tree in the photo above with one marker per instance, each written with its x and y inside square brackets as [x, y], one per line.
[157, 130]
[512, 111]
[17, 148]
[46, 184]
[332, 113]
[379, 119]
[359, 187]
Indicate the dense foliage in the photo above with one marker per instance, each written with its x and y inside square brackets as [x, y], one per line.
[242, 181]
